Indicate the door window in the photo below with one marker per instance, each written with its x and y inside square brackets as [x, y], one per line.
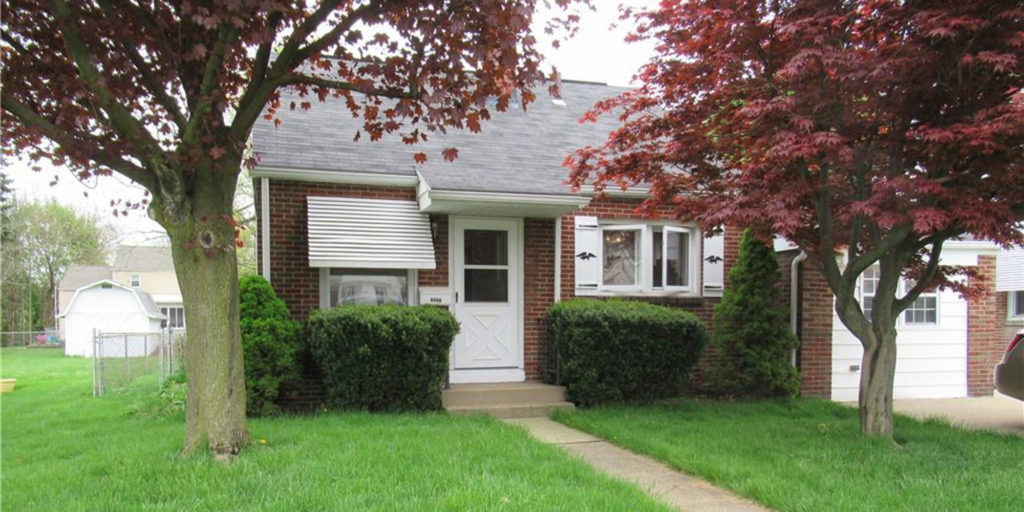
[485, 272]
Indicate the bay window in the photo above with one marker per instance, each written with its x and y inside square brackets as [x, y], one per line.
[647, 258]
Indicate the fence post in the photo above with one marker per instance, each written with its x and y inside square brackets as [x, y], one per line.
[145, 351]
[98, 352]
[94, 389]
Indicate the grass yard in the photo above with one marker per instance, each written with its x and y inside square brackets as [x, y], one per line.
[62, 449]
[809, 455]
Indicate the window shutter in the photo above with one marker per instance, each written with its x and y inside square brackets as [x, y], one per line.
[587, 247]
[714, 265]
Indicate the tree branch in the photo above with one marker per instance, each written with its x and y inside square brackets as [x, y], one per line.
[118, 117]
[65, 139]
[211, 77]
[155, 87]
[901, 304]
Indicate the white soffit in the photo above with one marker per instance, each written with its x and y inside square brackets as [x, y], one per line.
[368, 233]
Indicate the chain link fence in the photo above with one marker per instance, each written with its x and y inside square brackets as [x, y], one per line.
[123, 359]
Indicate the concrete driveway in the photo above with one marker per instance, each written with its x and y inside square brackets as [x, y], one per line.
[997, 412]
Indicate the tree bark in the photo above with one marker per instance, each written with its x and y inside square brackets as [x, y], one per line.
[203, 248]
[878, 370]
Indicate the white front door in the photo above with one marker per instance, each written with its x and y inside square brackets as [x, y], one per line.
[486, 265]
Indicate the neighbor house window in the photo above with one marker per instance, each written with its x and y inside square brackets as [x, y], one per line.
[1016, 305]
[646, 258]
[868, 287]
[175, 317]
[924, 310]
[367, 286]
[136, 280]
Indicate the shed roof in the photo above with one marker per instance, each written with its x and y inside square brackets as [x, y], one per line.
[517, 151]
[145, 301]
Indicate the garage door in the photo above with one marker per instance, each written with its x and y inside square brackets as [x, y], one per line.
[931, 359]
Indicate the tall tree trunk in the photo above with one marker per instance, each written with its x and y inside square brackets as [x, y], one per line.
[203, 247]
[878, 370]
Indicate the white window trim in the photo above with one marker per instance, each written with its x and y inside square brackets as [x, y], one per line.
[640, 271]
[921, 325]
[645, 287]
[688, 233]
[412, 288]
[1011, 305]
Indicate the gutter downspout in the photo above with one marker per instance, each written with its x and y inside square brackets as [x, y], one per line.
[794, 298]
[265, 226]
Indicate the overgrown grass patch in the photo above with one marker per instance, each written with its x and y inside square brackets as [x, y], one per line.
[65, 450]
[809, 455]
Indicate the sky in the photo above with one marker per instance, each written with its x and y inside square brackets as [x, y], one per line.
[597, 53]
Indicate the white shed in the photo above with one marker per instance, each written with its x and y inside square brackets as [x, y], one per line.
[106, 306]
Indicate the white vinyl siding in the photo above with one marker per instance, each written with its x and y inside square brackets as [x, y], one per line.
[1010, 270]
[931, 357]
[347, 232]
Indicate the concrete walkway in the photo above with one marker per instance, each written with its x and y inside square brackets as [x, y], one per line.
[681, 491]
[998, 412]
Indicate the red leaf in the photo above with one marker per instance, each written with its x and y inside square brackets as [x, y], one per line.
[450, 154]
[420, 158]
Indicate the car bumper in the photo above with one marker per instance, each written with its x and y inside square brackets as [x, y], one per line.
[1009, 380]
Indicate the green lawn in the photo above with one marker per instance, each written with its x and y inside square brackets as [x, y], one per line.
[62, 449]
[808, 455]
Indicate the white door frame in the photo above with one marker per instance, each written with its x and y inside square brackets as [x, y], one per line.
[514, 373]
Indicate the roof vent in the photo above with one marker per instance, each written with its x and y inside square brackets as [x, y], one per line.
[559, 101]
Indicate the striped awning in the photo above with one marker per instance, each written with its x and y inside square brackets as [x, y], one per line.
[368, 233]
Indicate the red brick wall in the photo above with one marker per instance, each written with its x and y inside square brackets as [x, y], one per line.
[815, 333]
[293, 279]
[985, 321]
[539, 290]
[437, 276]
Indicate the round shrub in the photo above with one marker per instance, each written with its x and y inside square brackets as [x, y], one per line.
[383, 358]
[617, 350]
[270, 341]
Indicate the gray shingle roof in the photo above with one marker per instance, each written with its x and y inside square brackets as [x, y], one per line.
[141, 258]
[516, 151]
[77, 276]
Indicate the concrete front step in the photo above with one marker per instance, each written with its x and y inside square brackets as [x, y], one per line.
[506, 411]
[505, 400]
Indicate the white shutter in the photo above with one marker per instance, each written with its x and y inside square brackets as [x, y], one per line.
[714, 265]
[587, 247]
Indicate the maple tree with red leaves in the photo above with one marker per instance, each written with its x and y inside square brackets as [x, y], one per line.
[875, 129]
[166, 93]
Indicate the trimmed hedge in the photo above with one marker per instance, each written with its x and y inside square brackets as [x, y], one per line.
[383, 358]
[617, 350]
[270, 339]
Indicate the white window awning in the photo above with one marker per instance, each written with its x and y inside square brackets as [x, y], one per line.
[351, 232]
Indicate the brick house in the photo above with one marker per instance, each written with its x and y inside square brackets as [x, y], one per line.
[496, 236]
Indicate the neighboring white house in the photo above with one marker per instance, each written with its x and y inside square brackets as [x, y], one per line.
[107, 306]
[146, 268]
[932, 354]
